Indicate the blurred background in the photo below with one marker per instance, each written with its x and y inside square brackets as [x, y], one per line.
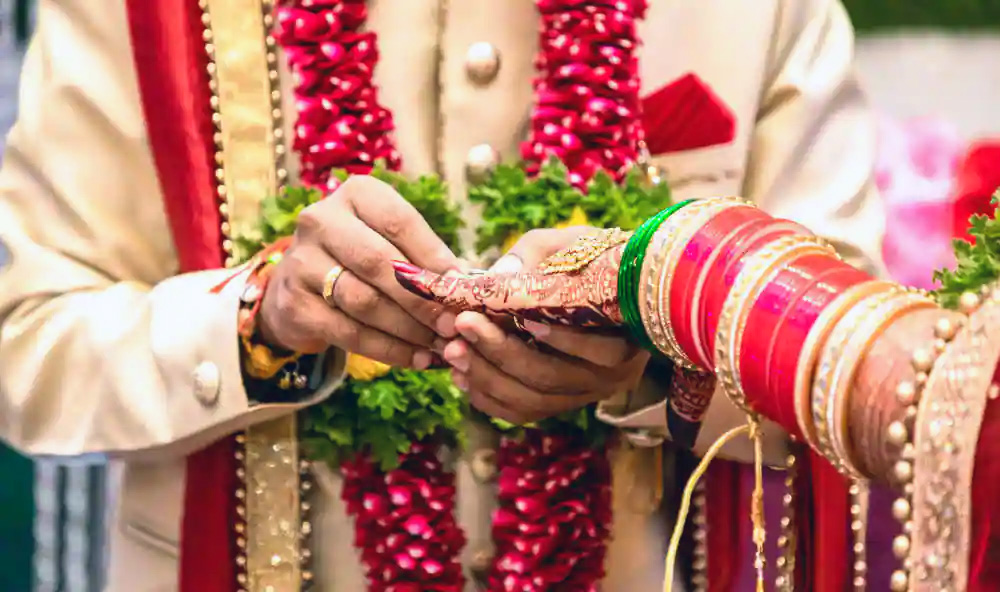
[930, 67]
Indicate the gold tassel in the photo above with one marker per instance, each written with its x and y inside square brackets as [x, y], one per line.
[757, 500]
[753, 432]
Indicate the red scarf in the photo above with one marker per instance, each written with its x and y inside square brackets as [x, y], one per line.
[170, 61]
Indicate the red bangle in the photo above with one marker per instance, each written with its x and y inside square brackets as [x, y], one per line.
[790, 336]
[721, 274]
[726, 225]
[781, 293]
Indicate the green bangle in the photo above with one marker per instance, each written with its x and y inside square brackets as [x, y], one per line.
[628, 273]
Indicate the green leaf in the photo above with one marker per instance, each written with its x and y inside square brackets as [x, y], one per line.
[977, 263]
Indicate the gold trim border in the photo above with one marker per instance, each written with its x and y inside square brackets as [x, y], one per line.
[249, 157]
[949, 419]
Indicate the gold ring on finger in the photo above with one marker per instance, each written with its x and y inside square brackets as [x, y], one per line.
[330, 282]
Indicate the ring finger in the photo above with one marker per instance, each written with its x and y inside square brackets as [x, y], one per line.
[369, 306]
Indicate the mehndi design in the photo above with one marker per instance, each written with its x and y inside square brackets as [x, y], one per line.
[577, 286]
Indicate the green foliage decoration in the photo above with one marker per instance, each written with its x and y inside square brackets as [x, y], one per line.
[976, 264]
[514, 202]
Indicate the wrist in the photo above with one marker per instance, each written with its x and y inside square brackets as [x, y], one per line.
[271, 372]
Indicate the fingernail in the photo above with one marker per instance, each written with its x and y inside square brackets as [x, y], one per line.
[460, 380]
[422, 359]
[445, 324]
[537, 329]
[405, 268]
[507, 264]
[469, 335]
[457, 360]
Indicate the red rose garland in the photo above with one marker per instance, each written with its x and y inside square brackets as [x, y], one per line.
[555, 489]
[587, 106]
[554, 515]
[404, 522]
[340, 123]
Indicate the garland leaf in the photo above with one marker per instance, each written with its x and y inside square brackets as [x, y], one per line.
[977, 263]
[514, 202]
[384, 417]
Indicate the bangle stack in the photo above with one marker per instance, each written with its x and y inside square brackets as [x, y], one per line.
[633, 258]
[776, 315]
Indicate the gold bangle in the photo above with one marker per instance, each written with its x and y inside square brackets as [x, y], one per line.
[846, 356]
[809, 354]
[658, 271]
[827, 362]
[747, 287]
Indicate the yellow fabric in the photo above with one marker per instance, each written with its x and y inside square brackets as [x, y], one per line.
[365, 369]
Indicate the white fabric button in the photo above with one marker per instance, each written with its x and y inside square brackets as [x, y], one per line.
[207, 381]
[482, 62]
[479, 162]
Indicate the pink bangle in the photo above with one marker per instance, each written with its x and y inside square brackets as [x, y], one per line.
[724, 270]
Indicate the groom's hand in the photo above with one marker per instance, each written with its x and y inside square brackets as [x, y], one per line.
[361, 228]
[510, 377]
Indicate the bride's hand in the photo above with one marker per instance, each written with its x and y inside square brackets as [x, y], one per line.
[515, 287]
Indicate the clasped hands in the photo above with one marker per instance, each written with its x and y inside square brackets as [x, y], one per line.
[355, 236]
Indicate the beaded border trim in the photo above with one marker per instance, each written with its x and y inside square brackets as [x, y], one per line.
[946, 431]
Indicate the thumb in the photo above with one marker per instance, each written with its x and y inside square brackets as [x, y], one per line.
[537, 246]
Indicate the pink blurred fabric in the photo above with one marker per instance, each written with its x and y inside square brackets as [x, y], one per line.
[915, 174]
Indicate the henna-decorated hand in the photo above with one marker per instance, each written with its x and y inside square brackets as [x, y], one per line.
[505, 374]
[515, 287]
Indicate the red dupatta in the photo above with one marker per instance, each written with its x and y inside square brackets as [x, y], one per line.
[171, 62]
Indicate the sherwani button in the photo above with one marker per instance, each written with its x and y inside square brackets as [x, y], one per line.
[207, 381]
[482, 62]
[480, 161]
[484, 465]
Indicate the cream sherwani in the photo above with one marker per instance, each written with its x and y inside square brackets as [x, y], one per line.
[104, 349]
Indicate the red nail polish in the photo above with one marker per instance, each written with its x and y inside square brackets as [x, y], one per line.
[405, 268]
